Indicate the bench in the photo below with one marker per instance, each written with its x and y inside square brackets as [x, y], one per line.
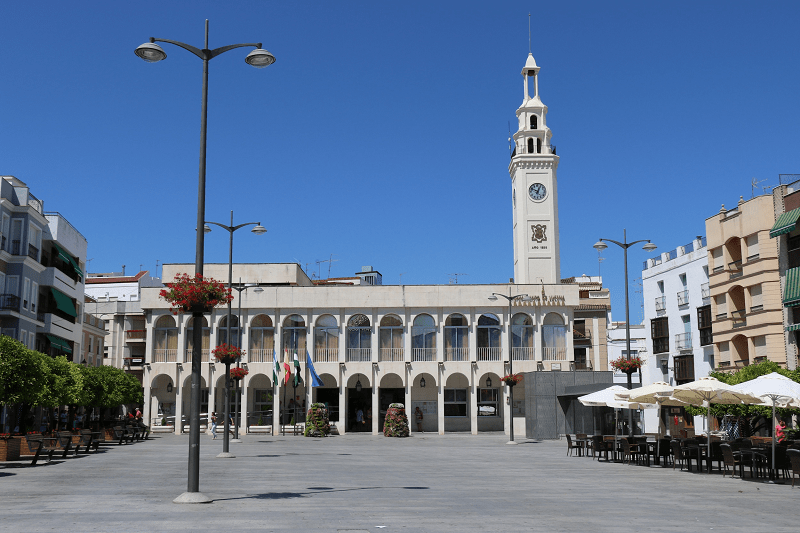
[87, 439]
[65, 441]
[121, 435]
[40, 444]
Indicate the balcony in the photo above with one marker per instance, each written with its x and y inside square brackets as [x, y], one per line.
[33, 252]
[661, 303]
[735, 269]
[739, 319]
[706, 337]
[135, 334]
[722, 316]
[9, 302]
[554, 354]
[390, 354]
[165, 355]
[204, 353]
[134, 361]
[683, 341]
[423, 354]
[456, 354]
[523, 353]
[705, 292]
[684, 368]
[579, 335]
[359, 355]
[488, 354]
[260, 355]
[683, 298]
[757, 308]
[326, 355]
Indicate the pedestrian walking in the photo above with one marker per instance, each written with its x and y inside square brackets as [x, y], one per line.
[213, 425]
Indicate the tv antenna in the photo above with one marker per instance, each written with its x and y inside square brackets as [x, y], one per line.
[330, 261]
[754, 186]
[454, 277]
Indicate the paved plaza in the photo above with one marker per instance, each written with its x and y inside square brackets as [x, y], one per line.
[366, 483]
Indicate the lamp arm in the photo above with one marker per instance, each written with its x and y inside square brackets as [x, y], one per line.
[196, 51]
[222, 49]
[245, 224]
[625, 245]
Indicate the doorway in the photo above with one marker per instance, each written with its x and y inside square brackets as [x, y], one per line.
[359, 400]
[330, 397]
[389, 396]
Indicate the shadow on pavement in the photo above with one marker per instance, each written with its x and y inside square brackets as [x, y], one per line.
[312, 492]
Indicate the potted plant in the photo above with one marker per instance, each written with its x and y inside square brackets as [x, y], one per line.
[511, 379]
[195, 294]
[238, 373]
[9, 447]
[627, 366]
[317, 422]
[396, 422]
[227, 354]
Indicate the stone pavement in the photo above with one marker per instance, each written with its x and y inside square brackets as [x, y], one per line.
[364, 483]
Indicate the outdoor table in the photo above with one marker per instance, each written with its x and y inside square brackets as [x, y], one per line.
[613, 440]
[652, 449]
[582, 444]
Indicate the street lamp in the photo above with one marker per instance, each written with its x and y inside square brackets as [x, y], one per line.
[524, 298]
[151, 52]
[239, 288]
[649, 247]
[258, 230]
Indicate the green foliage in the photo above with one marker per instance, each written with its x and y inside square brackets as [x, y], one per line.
[317, 422]
[22, 373]
[64, 382]
[746, 374]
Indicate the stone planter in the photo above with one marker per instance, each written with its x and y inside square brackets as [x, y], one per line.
[23, 446]
[9, 449]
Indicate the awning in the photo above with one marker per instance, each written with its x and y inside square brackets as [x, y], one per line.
[793, 327]
[59, 343]
[68, 258]
[785, 223]
[63, 302]
[791, 296]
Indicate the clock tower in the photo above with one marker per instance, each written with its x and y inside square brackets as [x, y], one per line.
[534, 189]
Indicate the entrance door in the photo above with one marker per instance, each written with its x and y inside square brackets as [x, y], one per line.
[355, 401]
[329, 397]
[388, 397]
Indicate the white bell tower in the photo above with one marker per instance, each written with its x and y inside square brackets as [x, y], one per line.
[534, 189]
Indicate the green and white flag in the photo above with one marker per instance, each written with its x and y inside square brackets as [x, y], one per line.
[276, 368]
[296, 370]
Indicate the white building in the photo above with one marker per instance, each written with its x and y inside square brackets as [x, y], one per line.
[677, 319]
[441, 348]
[617, 347]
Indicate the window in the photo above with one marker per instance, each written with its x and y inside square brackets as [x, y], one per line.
[222, 331]
[455, 402]
[359, 338]
[34, 242]
[423, 338]
[704, 324]
[538, 146]
[794, 252]
[206, 340]
[756, 300]
[456, 338]
[294, 335]
[488, 338]
[4, 242]
[262, 339]
[752, 247]
[488, 404]
[684, 368]
[391, 339]
[682, 277]
[326, 339]
[534, 122]
[580, 359]
[34, 296]
[16, 236]
[554, 338]
[522, 337]
[262, 404]
[23, 337]
[165, 340]
[717, 255]
[659, 332]
[26, 289]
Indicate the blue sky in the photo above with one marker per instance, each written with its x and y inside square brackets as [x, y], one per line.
[380, 134]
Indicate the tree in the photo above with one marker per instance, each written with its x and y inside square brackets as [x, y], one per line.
[64, 383]
[23, 373]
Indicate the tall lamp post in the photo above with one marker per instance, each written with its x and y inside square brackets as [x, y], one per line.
[239, 288]
[649, 247]
[524, 298]
[259, 58]
[258, 230]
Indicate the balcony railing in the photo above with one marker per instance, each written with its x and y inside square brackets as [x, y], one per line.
[683, 298]
[719, 268]
[722, 316]
[423, 354]
[705, 292]
[661, 303]
[33, 252]
[488, 354]
[326, 355]
[9, 302]
[359, 355]
[260, 355]
[554, 354]
[523, 353]
[456, 354]
[165, 355]
[136, 334]
[581, 335]
[735, 269]
[753, 257]
[390, 354]
[204, 353]
[739, 319]
[756, 308]
[683, 341]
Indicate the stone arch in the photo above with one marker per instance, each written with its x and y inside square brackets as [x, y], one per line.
[490, 402]
[457, 400]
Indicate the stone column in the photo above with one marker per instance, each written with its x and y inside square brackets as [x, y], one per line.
[440, 400]
[375, 404]
[342, 423]
[473, 406]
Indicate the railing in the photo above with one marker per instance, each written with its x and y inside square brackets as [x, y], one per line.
[719, 268]
[136, 334]
[33, 252]
[661, 303]
[204, 353]
[683, 298]
[705, 292]
[390, 354]
[756, 308]
[260, 355]
[554, 354]
[488, 354]
[739, 319]
[456, 354]
[579, 335]
[523, 353]
[9, 302]
[683, 341]
[165, 355]
[423, 354]
[326, 355]
[752, 257]
[363, 355]
[136, 361]
[722, 316]
[735, 269]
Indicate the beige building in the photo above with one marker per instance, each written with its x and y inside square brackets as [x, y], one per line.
[745, 285]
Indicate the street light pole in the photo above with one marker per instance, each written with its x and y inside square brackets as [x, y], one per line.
[601, 245]
[238, 289]
[524, 298]
[258, 58]
[258, 230]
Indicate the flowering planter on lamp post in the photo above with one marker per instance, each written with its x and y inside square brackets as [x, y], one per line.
[195, 294]
[228, 354]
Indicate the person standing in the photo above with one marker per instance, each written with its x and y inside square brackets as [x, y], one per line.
[213, 425]
[418, 417]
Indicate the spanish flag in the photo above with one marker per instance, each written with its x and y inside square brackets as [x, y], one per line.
[286, 366]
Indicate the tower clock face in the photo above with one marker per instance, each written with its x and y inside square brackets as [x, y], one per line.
[537, 192]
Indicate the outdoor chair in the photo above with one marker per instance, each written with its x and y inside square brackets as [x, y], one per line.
[680, 455]
[599, 446]
[664, 451]
[794, 460]
[584, 443]
[731, 459]
[630, 451]
[570, 447]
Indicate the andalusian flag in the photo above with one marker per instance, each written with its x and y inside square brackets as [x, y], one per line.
[296, 370]
[276, 367]
[286, 366]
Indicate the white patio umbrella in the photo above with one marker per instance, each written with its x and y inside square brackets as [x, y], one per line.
[608, 398]
[772, 389]
[705, 391]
